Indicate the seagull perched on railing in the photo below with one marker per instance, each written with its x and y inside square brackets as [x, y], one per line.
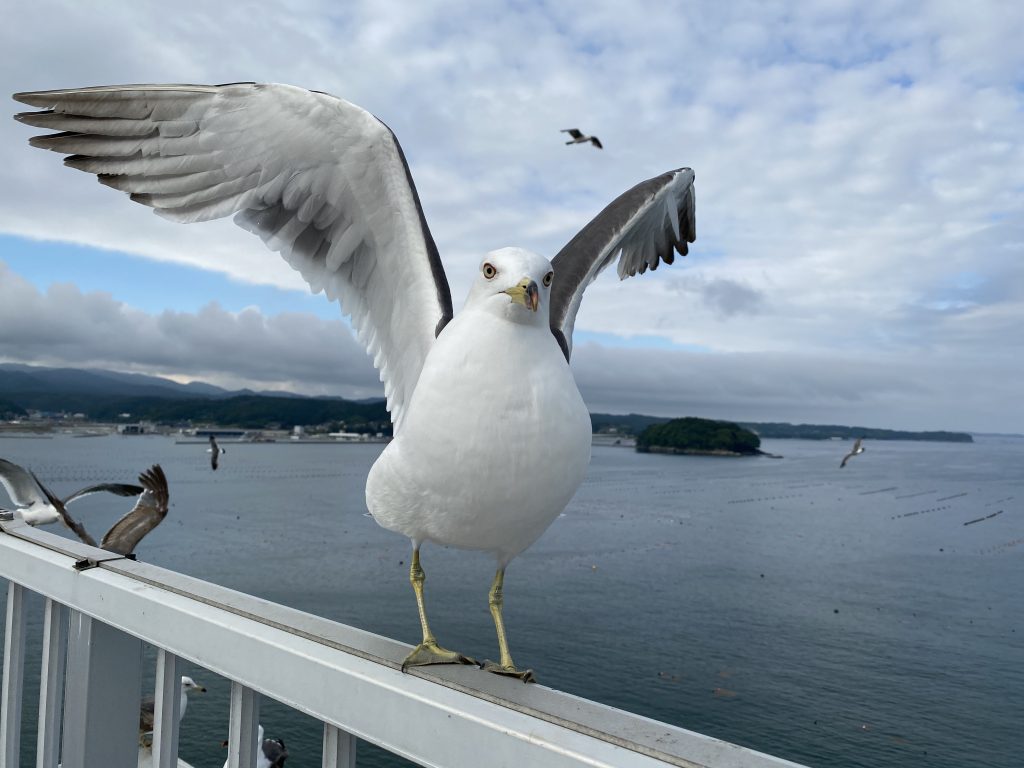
[491, 435]
[579, 138]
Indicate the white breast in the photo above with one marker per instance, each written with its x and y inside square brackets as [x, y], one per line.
[495, 442]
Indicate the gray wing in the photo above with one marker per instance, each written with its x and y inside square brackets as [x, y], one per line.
[320, 180]
[20, 484]
[118, 489]
[148, 512]
[646, 225]
[65, 518]
[574, 132]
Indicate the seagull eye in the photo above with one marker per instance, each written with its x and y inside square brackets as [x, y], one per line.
[547, 279]
[489, 271]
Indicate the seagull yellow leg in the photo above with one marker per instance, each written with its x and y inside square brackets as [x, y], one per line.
[427, 652]
[505, 667]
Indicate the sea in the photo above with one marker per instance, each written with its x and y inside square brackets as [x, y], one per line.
[865, 616]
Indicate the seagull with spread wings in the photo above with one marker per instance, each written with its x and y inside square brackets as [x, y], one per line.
[215, 451]
[38, 505]
[577, 137]
[491, 435]
[855, 451]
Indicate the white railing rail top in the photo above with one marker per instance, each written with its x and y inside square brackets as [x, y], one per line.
[443, 716]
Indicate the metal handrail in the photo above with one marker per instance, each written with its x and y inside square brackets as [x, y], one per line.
[349, 679]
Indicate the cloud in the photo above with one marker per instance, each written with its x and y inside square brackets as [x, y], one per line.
[300, 352]
[296, 352]
[852, 161]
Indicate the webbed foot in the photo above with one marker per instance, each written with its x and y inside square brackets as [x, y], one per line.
[432, 653]
[526, 675]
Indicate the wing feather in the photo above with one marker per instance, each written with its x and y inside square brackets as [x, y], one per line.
[321, 181]
[642, 227]
[148, 512]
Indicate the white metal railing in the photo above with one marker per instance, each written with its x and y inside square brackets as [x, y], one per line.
[99, 611]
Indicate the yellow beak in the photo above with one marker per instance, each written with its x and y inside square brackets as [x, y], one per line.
[525, 293]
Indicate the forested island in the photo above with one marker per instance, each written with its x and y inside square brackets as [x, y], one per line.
[699, 437]
[635, 423]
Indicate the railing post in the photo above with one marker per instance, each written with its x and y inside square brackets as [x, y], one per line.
[167, 712]
[243, 731]
[14, 675]
[339, 748]
[51, 684]
[101, 698]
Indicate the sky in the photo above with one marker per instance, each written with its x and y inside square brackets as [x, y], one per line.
[859, 184]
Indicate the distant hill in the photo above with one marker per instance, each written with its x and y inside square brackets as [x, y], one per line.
[9, 410]
[20, 379]
[628, 424]
[828, 431]
[103, 395]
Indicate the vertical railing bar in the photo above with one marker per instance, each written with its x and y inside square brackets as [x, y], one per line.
[167, 710]
[339, 748]
[243, 732]
[51, 684]
[14, 676]
[101, 695]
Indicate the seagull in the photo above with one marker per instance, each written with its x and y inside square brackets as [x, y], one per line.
[856, 450]
[147, 711]
[215, 451]
[579, 138]
[272, 752]
[491, 436]
[36, 505]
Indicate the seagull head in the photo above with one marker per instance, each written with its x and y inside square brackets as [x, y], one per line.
[188, 685]
[514, 283]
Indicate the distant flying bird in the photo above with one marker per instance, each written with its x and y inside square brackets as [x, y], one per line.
[579, 138]
[491, 435]
[215, 451]
[857, 449]
[36, 505]
[147, 711]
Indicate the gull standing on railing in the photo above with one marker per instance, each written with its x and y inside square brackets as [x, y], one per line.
[491, 435]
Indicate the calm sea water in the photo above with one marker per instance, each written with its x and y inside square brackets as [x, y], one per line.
[835, 618]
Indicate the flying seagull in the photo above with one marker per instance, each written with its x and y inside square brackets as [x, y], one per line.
[215, 451]
[856, 450]
[491, 435]
[36, 505]
[147, 711]
[579, 138]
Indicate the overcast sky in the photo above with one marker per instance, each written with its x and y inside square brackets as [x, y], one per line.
[860, 180]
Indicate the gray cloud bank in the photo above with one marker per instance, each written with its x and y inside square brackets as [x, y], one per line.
[860, 174]
[303, 353]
